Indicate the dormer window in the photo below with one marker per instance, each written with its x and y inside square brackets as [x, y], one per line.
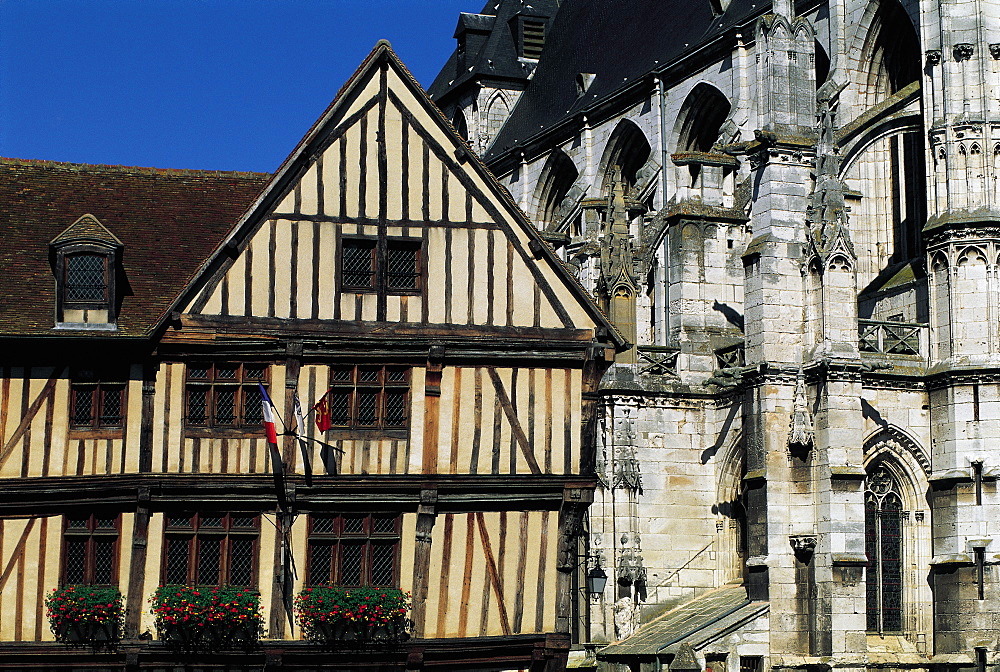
[86, 257]
[529, 34]
[532, 38]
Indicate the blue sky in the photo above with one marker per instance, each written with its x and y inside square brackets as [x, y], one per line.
[210, 84]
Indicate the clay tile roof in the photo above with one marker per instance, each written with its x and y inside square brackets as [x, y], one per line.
[87, 228]
[167, 222]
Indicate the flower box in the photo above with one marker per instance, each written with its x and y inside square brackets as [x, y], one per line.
[207, 617]
[82, 614]
[353, 616]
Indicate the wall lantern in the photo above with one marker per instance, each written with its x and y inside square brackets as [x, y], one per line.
[597, 580]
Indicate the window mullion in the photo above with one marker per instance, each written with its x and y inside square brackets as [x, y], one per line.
[89, 560]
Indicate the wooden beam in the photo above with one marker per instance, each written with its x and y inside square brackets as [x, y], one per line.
[491, 568]
[515, 425]
[32, 411]
[16, 553]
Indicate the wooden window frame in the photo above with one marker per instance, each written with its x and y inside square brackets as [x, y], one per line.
[109, 302]
[91, 532]
[380, 248]
[99, 390]
[351, 389]
[197, 533]
[368, 538]
[212, 385]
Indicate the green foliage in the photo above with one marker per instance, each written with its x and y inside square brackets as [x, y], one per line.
[82, 609]
[209, 615]
[319, 607]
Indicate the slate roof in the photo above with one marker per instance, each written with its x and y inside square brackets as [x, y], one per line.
[497, 59]
[168, 222]
[696, 622]
[619, 41]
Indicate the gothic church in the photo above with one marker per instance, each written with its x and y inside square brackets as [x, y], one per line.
[792, 213]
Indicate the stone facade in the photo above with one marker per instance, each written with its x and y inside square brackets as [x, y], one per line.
[796, 219]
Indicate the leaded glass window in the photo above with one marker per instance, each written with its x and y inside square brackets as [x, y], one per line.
[395, 268]
[211, 549]
[90, 549]
[225, 395]
[97, 400]
[359, 264]
[86, 279]
[357, 549]
[369, 397]
[884, 548]
[402, 265]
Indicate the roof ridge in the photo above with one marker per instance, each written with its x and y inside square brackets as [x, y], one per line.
[140, 170]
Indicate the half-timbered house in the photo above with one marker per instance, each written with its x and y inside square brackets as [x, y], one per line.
[380, 270]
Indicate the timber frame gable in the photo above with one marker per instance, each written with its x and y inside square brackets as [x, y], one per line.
[324, 195]
[383, 275]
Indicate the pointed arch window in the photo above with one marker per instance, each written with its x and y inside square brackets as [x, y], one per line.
[884, 548]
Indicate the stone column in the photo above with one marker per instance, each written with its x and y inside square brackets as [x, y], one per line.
[962, 237]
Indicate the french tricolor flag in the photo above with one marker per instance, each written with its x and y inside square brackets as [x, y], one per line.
[268, 406]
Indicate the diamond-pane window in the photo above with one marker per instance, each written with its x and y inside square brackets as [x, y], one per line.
[225, 395]
[211, 549]
[197, 371]
[320, 562]
[359, 264]
[382, 556]
[241, 561]
[177, 560]
[197, 404]
[86, 278]
[83, 406]
[90, 549]
[225, 405]
[253, 410]
[340, 407]
[244, 522]
[354, 525]
[209, 552]
[395, 408]
[367, 408]
[97, 401]
[353, 549]
[350, 564]
[367, 397]
[402, 267]
[111, 406]
[104, 559]
[368, 266]
[76, 560]
[383, 525]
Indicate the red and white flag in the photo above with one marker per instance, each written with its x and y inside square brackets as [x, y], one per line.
[269, 429]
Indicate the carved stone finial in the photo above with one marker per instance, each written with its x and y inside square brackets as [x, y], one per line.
[963, 51]
[627, 474]
[826, 214]
[616, 248]
[933, 56]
